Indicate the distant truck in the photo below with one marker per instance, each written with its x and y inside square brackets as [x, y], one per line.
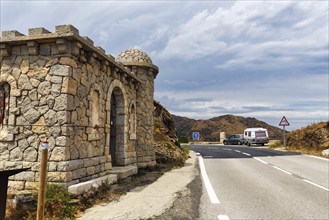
[256, 136]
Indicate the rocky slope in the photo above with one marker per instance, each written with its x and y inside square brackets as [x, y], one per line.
[211, 128]
[167, 147]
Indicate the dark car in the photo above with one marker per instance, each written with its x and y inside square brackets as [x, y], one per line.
[235, 139]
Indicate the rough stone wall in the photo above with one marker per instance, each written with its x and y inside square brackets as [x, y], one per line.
[61, 87]
[145, 123]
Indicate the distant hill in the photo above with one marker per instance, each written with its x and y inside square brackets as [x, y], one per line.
[211, 128]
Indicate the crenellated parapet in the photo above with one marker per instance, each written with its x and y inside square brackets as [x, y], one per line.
[65, 40]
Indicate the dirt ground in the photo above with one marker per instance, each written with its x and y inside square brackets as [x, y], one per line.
[185, 206]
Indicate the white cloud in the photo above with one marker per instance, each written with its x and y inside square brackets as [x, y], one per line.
[253, 58]
[249, 27]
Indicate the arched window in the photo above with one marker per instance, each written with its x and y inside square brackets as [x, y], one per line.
[95, 108]
[132, 121]
[4, 103]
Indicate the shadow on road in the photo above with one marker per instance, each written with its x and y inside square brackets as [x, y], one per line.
[232, 151]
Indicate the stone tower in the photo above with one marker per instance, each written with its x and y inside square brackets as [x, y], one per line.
[140, 64]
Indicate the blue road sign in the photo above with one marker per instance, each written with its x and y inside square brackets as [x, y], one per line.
[196, 135]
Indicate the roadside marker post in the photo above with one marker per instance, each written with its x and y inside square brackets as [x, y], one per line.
[42, 180]
[284, 122]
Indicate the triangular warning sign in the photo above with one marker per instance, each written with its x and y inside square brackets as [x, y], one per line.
[284, 122]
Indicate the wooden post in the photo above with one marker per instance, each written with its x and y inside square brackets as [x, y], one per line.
[42, 181]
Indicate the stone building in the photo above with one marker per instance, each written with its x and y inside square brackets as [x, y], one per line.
[95, 111]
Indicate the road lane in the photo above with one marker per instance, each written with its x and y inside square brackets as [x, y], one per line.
[248, 189]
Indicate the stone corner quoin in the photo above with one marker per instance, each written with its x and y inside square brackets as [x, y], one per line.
[95, 110]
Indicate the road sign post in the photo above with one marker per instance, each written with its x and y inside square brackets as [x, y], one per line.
[284, 136]
[284, 122]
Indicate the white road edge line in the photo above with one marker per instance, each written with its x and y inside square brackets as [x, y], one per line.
[278, 168]
[223, 217]
[260, 160]
[321, 158]
[211, 192]
[317, 185]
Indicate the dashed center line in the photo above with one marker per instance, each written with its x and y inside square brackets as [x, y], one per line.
[282, 170]
[260, 160]
[223, 217]
[278, 168]
[314, 184]
[212, 194]
[286, 172]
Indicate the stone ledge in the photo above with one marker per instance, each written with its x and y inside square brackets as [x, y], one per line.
[124, 172]
[80, 188]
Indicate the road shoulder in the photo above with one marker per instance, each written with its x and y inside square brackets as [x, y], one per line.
[151, 201]
[186, 206]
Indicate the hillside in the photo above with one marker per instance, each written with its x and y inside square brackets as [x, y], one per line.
[211, 128]
[314, 137]
[166, 145]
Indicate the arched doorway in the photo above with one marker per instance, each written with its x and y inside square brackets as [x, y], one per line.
[113, 129]
[117, 121]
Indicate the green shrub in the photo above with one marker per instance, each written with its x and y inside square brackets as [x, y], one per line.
[180, 161]
[58, 202]
[186, 152]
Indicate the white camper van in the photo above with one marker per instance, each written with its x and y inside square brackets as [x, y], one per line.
[256, 136]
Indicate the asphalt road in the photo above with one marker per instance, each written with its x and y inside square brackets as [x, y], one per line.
[260, 183]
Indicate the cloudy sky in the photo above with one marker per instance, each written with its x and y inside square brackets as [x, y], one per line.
[262, 59]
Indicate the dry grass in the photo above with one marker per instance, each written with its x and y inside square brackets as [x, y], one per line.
[301, 150]
[312, 140]
[10, 209]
